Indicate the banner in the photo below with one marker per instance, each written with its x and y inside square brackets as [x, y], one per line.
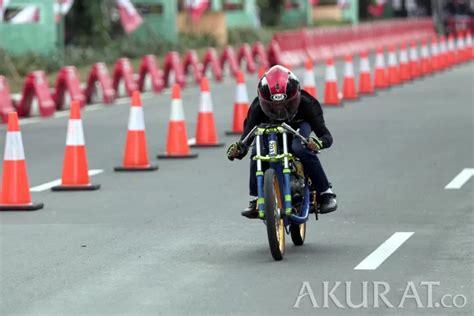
[129, 16]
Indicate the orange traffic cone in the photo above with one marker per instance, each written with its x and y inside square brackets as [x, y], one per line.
[75, 176]
[136, 151]
[451, 50]
[414, 61]
[434, 54]
[15, 195]
[425, 59]
[349, 88]
[405, 72]
[241, 106]
[331, 92]
[393, 68]
[261, 72]
[177, 145]
[365, 80]
[309, 84]
[206, 135]
[461, 46]
[380, 80]
[443, 53]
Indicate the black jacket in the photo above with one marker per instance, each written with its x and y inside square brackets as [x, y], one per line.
[309, 111]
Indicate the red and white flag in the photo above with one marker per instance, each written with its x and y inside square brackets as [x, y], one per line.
[377, 9]
[129, 16]
[196, 8]
[3, 6]
[61, 8]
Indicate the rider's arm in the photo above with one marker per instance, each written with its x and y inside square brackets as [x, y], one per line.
[314, 116]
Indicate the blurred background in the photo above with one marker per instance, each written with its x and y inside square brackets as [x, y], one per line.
[48, 34]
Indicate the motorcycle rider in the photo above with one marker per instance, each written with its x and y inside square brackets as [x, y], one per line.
[281, 99]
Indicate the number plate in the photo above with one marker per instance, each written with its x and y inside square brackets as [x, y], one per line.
[273, 148]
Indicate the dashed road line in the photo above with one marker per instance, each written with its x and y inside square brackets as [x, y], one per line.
[385, 250]
[460, 179]
[49, 185]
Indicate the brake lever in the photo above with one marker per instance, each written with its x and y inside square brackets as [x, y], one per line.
[290, 129]
[250, 134]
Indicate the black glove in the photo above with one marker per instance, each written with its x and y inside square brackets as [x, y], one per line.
[236, 150]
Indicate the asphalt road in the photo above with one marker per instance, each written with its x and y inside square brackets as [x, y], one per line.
[173, 242]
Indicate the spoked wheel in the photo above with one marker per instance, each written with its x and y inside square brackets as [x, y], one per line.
[273, 211]
[298, 233]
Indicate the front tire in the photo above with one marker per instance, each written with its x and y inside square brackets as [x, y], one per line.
[273, 210]
[298, 233]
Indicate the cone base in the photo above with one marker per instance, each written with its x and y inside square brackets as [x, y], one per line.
[233, 133]
[189, 156]
[30, 207]
[90, 187]
[351, 98]
[136, 169]
[207, 145]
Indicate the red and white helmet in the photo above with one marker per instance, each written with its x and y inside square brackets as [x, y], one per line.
[279, 93]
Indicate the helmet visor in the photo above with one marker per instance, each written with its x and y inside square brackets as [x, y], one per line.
[281, 110]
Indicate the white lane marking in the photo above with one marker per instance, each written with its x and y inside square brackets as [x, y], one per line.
[385, 250]
[61, 114]
[460, 179]
[191, 141]
[93, 107]
[32, 120]
[49, 185]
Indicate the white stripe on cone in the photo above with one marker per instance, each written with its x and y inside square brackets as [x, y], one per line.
[403, 56]
[468, 41]
[434, 49]
[331, 74]
[424, 52]
[348, 70]
[177, 112]
[75, 133]
[413, 54]
[14, 147]
[392, 59]
[451, 46]
[309, 79]
[241, 93]
[205, 106]
[380, 61]
[443, 48]
[364, 65]
[460, 43]
[136, 121]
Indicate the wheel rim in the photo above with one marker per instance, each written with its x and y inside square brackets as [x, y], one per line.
[302, 230]
[280, 226]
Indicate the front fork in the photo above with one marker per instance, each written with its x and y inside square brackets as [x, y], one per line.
[284, 181]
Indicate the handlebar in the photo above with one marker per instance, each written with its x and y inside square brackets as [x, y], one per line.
[285, 126]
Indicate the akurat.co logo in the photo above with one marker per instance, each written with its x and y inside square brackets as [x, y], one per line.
[377, 294]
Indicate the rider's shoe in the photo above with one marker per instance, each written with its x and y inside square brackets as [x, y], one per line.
[251, 211]
[327, 203]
